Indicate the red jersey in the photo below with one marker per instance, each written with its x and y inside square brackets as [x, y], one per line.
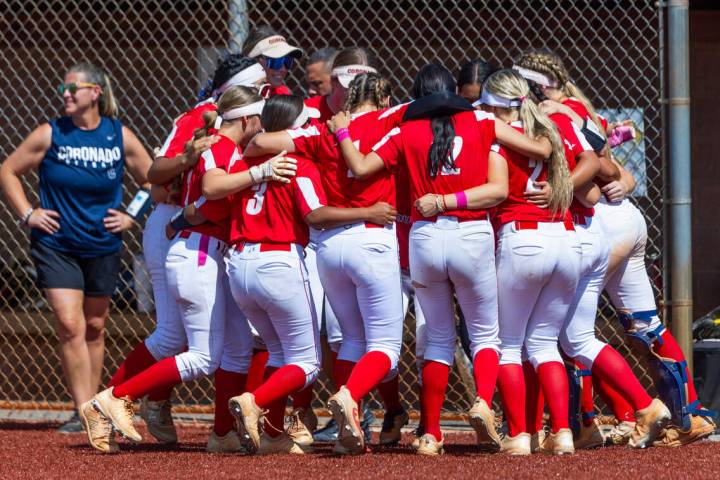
[342, 188]
[281, 90]
[220, 155]
[274, 212]
[522, 172]
[184, 128]
[319, 103]
[410, 143]
[575, 144]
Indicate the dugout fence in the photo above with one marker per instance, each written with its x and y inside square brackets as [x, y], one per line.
[159, 54]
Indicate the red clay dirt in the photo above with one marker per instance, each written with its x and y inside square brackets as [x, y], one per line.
[35, 450]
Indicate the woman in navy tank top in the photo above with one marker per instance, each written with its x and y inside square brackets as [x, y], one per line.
[76, 229]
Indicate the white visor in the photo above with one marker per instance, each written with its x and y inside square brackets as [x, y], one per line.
[346, 74]
[245, 78]
[306, 114]
[537, 77]
[492, 100]
[274, 47]
[246, 111]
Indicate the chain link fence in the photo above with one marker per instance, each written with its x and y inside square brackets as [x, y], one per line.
[159, 53]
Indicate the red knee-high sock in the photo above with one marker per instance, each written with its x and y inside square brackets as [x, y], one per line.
[390, 394]
[534, 400]
[256, 371]
[554, 384]
[511, 384]
[671, 349]
[372, 367]
[620, 407]
[137, 360]
[435, 379]
[273, 394]
[341, 372]
[227, 385]
[612, 369]
[163, 374]
[485, 371]
[303, 398]
[587, 403]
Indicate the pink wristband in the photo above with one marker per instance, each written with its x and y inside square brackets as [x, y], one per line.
[461, 200]
[342, 134]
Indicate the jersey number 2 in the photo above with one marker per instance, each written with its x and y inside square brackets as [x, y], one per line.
[255, 204]
[537, 168]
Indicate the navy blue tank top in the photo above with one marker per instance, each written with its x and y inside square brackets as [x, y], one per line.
[81, 177]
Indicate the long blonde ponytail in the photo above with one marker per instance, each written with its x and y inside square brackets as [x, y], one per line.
[510, 85]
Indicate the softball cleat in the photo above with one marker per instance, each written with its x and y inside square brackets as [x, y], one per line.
[247, 419]
[559, 443]
[351, 440]
[482, 419]
[391, 431]
[700, 427]
[158, 418]
[429, 446]
[298, 429]
[119, 411]
[649, 423]
[590, 436]
[517, 445]
[228, 443]
[620, 434]
[99, 430]
[282, 444]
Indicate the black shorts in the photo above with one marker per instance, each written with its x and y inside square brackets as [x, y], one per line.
[96, 276]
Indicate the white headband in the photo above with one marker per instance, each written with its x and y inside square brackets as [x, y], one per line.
[346, 74]
[245, 78]
[306, 114]
[534, 76]
[493, 100]
[246, 111]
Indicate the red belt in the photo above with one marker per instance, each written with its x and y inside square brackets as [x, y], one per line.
[373, 225]
[269, 247]
[530, 225]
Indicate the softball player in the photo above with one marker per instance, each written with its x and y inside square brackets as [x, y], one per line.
[452, 250]
[577, 338]
[271, 222]
[195, 260]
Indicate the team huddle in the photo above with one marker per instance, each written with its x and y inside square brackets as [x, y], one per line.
[278, 217]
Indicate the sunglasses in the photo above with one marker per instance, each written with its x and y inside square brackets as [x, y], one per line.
[74, 87]
[278, 63]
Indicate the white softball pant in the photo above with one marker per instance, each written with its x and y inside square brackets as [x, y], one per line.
[323, 310]
[272, 290]
[537, 275]
[360, 270]
[628, 285]
[195, 268]
[239, 340]
[446, 255]
[169, 337]
[408, 294]
[577, 337]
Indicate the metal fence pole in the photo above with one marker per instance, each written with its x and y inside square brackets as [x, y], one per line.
[680, 196]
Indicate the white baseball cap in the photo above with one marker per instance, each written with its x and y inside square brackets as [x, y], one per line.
[274, 47]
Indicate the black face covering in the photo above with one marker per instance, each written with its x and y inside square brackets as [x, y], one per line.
[437, 104]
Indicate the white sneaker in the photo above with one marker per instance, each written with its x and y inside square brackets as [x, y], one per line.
[119, 411]
[559, 443]
[482, 419]
[247, 419]
[228, 443]
[282, 444]
[517, 445]
[351, 440]
[429, 446]
[649, 423]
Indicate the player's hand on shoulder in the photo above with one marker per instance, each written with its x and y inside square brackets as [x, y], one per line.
[195, 148]
[338, 121]
[278, 169]
[46, 220]
[117, 221]
[541, 195]
[381, 214]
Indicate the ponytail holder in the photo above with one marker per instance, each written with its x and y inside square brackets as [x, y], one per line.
[522, 99]
[218, 122]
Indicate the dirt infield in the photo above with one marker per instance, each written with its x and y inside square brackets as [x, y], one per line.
[33, 451]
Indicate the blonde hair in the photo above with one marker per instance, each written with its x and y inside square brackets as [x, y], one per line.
[234, 97]
[366, 88]
[509, 84]
[94, 74]
[551, 65]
